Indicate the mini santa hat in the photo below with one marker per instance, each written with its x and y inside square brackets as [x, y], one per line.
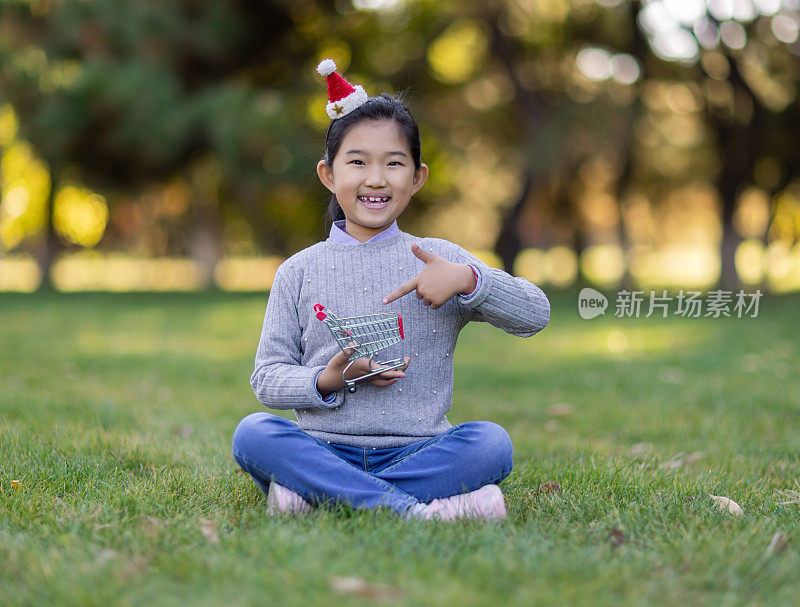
[343, 97]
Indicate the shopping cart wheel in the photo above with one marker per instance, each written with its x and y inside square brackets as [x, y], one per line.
[352, 389]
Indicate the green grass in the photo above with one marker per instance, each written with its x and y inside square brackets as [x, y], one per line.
[117, 411]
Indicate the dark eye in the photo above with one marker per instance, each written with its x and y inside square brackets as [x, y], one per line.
[355, 161]
[397, 162]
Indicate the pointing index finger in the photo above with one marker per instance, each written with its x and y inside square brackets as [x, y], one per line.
[404, 290]
[421, 253]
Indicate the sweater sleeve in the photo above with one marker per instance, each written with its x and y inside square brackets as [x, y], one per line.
[280, 380]
[511, 303]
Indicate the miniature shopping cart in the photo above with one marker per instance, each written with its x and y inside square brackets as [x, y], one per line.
[366, 335]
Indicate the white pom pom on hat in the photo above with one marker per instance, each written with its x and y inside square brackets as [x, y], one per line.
[343, 97]
[326, 67]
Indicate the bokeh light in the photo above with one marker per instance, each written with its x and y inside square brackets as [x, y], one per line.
[560, 266]
[488, 257]
[25, 188]
[458, 51]
[19, 273]
[246, 273]
[733, 35]
[603, 265]
[675, 266]
[530, 265]
[783, 266]
[750, 261]
[90, 271]
[80, 216]
[785, 28]
[377, 5]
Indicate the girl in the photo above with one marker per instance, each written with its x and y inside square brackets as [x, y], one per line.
[390, 443]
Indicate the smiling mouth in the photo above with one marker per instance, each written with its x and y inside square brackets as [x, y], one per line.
[374, 202]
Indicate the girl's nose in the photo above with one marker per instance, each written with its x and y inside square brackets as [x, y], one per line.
[375, 178]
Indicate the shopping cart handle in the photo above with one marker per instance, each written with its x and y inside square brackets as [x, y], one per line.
[318, 308]
[400, 323]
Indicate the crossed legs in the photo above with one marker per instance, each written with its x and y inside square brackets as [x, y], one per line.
[463, 458]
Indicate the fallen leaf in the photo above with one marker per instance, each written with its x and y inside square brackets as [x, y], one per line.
[105, 555]
[131, 569]
[727, 504]
[15, 485]
[640, 449]
[680, 460]
[777, 544]
[209, 530]
[671, 375]
[361, 587]
[616, 537]
[151, 525]
[793, 497]
[693, 457]
[551, 425]
[560, 410]
[550, 487]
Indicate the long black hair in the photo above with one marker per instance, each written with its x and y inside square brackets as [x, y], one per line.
[382, 107]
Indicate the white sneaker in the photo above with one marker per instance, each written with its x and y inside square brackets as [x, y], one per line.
[281, 500]
[486, 503]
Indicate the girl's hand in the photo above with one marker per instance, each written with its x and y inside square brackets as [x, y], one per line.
[330, 380]
[439, 280]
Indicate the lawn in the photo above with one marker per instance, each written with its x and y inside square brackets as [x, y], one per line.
[117, 484]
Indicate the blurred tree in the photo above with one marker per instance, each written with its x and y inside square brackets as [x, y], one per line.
[747, 83]
[741, 60]
[505, 88]
[121, 95]
[564, 123]
[536, 114]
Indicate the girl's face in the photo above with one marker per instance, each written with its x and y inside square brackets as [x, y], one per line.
[373, 177]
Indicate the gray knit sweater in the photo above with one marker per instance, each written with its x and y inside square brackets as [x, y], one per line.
[352, 280]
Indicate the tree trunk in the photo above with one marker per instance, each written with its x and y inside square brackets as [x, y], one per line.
[638, 47]
[568, 206]
[529, 110]
[50, 244]
[205, 236]
[738, 143]
[205, 241]
[729, 184]
[729, 278]
[508, 244]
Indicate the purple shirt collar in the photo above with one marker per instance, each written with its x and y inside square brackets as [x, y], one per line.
[339, 236]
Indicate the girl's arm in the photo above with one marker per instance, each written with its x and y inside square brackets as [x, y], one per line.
[511, 303]
[280, 380]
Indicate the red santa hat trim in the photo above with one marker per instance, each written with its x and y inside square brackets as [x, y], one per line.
[343, 97]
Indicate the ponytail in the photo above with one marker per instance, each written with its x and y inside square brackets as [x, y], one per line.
[333, 213]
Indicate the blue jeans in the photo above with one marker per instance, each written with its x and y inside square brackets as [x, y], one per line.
[463, 458]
